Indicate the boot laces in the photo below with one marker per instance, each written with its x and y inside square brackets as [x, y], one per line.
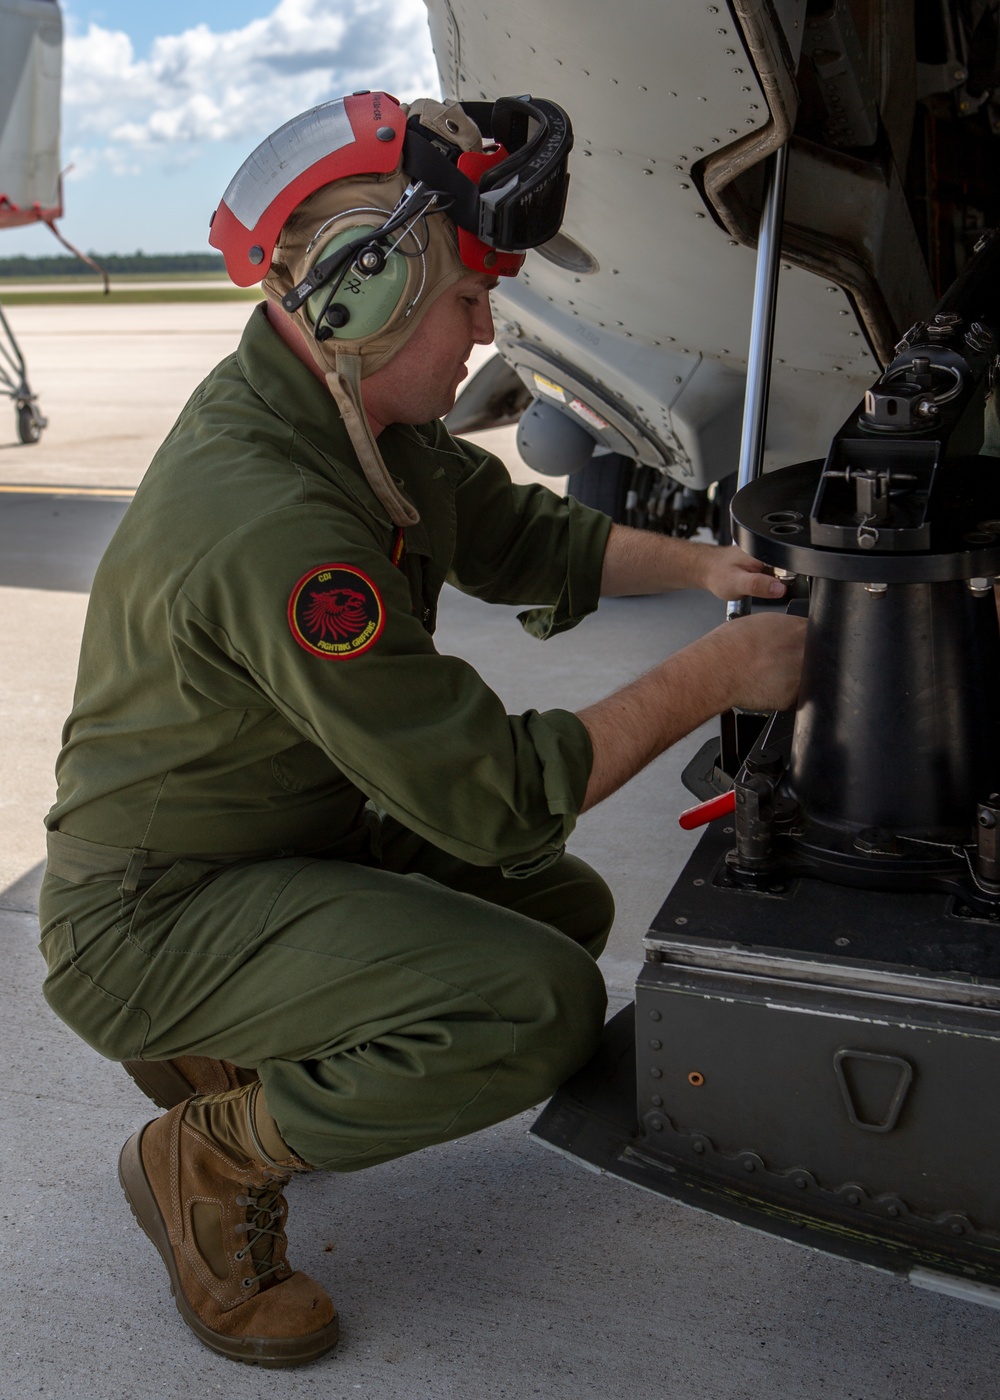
[264, 1230]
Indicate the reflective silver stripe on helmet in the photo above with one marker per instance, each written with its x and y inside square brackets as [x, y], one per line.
[285, 155]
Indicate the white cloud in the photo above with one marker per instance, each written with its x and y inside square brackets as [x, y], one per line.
[204, 86]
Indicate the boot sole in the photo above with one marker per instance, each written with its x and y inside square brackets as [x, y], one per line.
[272, 1352]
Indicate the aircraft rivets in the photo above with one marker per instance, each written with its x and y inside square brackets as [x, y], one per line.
[655, 1016]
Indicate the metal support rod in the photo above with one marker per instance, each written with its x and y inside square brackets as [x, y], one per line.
[765, 296]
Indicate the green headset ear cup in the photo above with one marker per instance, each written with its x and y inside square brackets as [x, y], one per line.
[370, 301]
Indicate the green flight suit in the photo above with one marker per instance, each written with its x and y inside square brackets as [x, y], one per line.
[289, 832]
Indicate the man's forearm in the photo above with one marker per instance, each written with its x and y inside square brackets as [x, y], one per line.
[753, 662]
[639, 722]
[641, 561]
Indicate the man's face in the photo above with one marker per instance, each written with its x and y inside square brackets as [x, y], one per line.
[421, 381]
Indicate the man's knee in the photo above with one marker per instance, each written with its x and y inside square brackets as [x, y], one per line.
[559, 1024]
[573, 898]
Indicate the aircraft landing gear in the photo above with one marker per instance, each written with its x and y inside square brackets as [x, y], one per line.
[29, 422]
[14, 383]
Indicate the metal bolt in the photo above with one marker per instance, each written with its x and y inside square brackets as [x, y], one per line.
[656, 1073]
[656, 1101]
[656, 1045]
[877, 588]
[892, 1210]
[842, 942]
[957, 1228]
[801, 1181]
[680, 919]
[698, 1147]
[256, 255]
[748, 1166]
[852, 1198]
[386, 133]
[980, 586]
[655, 1016]
[699, 882]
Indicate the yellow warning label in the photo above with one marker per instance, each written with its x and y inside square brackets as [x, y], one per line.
[546, 386]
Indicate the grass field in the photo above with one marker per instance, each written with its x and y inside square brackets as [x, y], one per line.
[122, 291]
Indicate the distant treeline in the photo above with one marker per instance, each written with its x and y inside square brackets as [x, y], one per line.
[64, 266]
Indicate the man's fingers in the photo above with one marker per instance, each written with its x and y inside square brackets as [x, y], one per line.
[765, 586]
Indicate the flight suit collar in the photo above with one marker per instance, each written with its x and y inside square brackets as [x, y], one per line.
[296, 396]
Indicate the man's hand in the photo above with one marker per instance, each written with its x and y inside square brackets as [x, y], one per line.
[639, 561]
[753, 663]
[729, 573]
[757, 660]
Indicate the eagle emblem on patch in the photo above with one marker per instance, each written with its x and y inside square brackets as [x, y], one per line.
[335, 611]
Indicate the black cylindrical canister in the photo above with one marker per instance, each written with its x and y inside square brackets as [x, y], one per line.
[898, 724]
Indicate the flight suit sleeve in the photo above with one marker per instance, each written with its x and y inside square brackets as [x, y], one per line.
[524, 544]
[321, 620]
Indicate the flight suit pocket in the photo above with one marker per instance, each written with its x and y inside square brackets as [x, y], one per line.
[108, 1024]
[165, 902]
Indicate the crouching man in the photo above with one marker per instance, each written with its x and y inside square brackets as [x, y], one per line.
[306, 876]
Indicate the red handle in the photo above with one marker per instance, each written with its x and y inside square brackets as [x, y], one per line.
[720, 806]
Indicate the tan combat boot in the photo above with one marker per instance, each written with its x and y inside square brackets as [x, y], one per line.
[168, 1082]
[205, 1182]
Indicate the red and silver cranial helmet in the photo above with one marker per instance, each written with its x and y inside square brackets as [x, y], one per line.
[504, 199]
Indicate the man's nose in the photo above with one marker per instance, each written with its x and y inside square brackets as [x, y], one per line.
[482, 325]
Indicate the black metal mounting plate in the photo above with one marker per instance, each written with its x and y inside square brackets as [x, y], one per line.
[771, 522]
[592, 1120]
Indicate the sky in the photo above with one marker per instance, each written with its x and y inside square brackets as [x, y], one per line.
[161, 103]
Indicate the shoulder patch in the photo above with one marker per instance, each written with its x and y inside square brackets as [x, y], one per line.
[335, 611]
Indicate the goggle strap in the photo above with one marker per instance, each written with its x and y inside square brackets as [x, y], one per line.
[423, 161]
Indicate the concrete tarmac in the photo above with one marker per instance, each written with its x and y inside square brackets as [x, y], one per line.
[486, 1268]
